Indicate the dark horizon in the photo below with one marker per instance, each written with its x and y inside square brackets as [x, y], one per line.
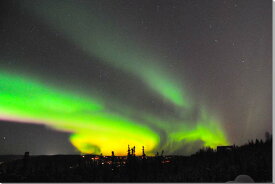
[246, 164]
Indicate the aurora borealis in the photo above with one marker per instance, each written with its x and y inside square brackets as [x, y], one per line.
[112, 74]
[101, 39]
[96, 130]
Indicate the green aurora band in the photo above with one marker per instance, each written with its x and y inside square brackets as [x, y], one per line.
[99, 37]
[94, 128]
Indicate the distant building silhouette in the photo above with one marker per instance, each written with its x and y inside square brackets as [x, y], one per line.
[224, 148]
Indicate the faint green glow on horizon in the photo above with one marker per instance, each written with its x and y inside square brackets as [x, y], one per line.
[206, 129]
[207, 132]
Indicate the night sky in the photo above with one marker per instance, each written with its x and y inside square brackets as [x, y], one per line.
[94, 76]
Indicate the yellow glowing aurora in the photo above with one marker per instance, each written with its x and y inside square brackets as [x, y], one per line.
[94, 128]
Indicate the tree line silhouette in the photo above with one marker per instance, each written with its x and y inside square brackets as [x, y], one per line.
[206, 165]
